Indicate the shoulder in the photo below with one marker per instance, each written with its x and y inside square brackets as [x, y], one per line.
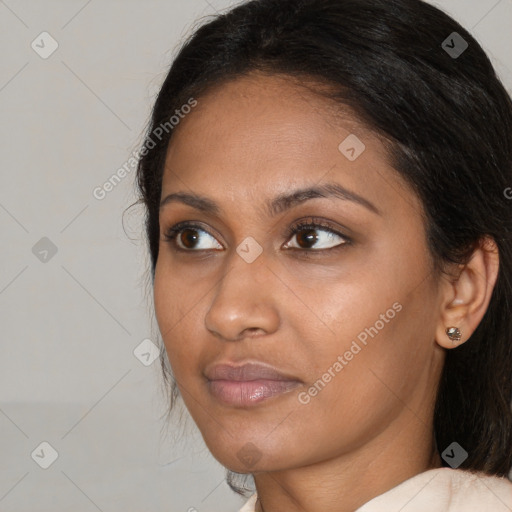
[446, 490]
[442, 490]
[478, 491]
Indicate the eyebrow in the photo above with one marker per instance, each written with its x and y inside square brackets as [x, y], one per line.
[280, 203]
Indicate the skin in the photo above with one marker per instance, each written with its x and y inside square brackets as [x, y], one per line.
[371, 427]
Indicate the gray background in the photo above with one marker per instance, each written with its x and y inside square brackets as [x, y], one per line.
[70, 323]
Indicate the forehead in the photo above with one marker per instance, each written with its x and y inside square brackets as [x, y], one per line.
[260, 134]
[257, 108]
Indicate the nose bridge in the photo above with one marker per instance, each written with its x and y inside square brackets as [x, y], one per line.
[243, 299]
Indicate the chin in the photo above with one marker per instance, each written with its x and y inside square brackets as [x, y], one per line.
[243, 455]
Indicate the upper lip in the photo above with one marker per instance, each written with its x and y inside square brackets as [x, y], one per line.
[246, 372]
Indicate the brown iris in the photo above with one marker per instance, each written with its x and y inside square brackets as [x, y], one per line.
[309, 236]
[188, 237]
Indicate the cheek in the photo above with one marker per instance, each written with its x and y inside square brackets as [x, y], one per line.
[171, 308]
[365, 327]
[181, 301]
[372, 363]
[166, 305]
[352, 388]
[176, 293]
[358, 335]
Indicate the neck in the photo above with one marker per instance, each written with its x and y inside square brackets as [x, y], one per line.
[345, 483]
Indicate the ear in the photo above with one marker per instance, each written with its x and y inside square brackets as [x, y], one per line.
[465, 298]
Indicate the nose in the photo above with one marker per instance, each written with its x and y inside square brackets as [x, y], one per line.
[245, 301]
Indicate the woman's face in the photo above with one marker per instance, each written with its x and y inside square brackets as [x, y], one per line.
[347, 310]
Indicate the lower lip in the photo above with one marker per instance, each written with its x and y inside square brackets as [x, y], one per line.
[244, 393]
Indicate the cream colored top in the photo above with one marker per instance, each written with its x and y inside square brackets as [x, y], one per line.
[438, 490]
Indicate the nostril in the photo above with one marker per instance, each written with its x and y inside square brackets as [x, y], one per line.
[252, 331]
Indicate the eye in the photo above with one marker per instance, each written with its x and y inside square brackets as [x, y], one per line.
[188, 237]
[312, 234]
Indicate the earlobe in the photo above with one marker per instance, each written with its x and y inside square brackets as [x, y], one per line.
[466, 298]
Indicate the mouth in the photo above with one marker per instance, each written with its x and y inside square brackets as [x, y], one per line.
[248, 384]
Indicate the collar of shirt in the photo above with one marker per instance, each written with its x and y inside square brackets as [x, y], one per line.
[442, 490]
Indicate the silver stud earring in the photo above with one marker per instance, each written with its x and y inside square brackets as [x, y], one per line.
[454, 334]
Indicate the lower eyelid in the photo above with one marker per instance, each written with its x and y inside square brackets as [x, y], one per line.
[325, 250]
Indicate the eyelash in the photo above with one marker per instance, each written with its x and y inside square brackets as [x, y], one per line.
[171, 234]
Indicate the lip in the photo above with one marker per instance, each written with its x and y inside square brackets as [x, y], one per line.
[248, 384]
[246, 372]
